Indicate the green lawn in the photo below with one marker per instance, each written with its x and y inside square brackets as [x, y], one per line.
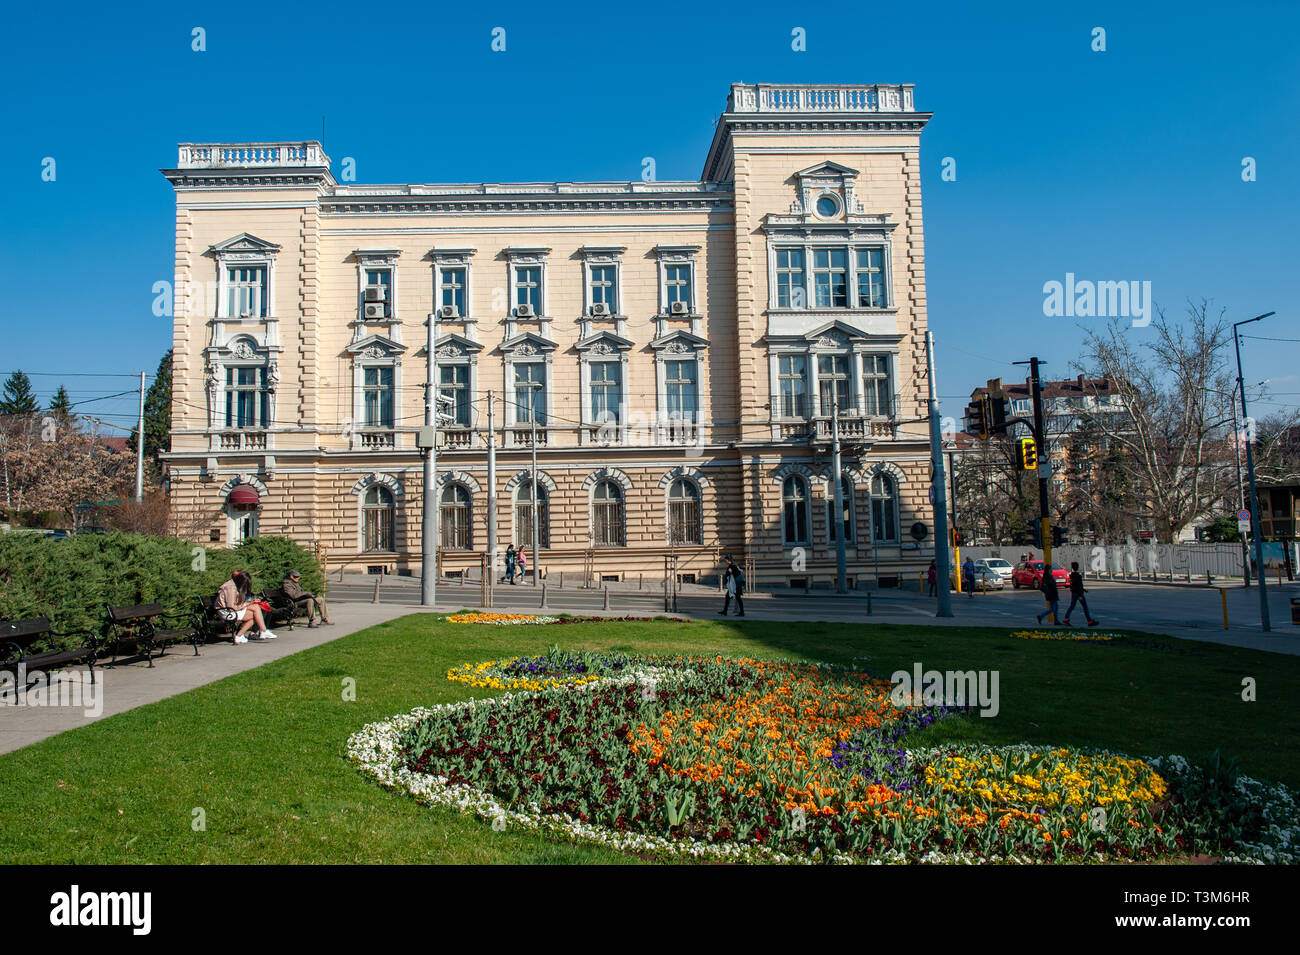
[263, 752]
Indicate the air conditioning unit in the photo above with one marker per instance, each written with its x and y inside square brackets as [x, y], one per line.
[448, 311]
[679, 308]
[599, 308]
[524, 311]
[376, 293]
[374, 310]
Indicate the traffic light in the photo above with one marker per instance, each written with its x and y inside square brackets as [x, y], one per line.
[1036, 533]
[1028, 455]
[978, 413]
[997, 418]
[957, 539]
[1059, 536]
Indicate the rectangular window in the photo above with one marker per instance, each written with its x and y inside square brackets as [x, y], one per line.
[453, 382]
[524, 521]
[793, 374]
[530, 393]
[684, 521]
[606, 391]
[607, 522]
[528, 287]
[831, 278]
[680, 383]
[604, 287]
[678, 284]
[790, 289]
[379, 528]
[877, 389]
[378, 411]
[378, 293]
[846, 492]
[871, 278]
[246, 398]
[451, 284]
[833, 382]
[246, 292]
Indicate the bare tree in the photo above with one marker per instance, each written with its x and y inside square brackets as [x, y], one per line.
[1174, 428]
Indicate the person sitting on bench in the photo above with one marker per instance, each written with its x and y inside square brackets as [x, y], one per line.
[301, 599]
[234, 603]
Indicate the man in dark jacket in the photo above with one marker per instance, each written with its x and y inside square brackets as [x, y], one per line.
[733, 581]
[292, 587]
[1077, 592]
[1050, 594]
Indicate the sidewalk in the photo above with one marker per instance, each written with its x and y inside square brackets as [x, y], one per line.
[134, 684]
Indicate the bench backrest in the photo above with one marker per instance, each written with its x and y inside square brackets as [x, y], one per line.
[30, 627]
[136, 612]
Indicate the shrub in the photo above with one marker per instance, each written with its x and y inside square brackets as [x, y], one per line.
[71, 581]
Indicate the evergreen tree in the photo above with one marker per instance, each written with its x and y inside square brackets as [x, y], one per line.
[18, 397]
[60, 404]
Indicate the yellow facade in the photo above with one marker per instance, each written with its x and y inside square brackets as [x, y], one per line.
[302, 309]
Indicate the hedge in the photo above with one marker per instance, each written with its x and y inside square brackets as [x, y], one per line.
[71, 580]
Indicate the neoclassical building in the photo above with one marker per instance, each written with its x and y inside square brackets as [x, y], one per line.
[678, 352]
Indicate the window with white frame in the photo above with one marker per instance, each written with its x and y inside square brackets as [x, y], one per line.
[453, 383]
[604, 287]
[794, 510]
[528, 287]
[378, 513]
[834, 384]
[790, 282]
[681, 389]
[677, 285]
[456, 518]
[884, 509]
[684, 512]
[830, 277]
[607, 515]
[530, 392]
[453, 288]
[845, 522]
[377, 293]
[524, 515]
[792, 374]
[246, 291]
[877, 386]
[871, 277]
[606, 391]
[377, 396]
[246, 396]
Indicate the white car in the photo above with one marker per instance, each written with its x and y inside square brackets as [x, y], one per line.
[999, 566]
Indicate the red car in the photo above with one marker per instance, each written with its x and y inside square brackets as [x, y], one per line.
[1029, 573]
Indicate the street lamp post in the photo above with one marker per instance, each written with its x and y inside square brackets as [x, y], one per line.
[533, 388]
[1255, 526]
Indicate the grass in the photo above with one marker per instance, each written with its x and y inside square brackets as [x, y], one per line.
[262, 752]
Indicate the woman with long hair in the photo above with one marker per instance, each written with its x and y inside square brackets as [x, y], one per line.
[235, 603]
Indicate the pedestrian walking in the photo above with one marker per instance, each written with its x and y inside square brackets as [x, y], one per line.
[1077, 591]
[521, 562]
[968, 577]
[510, 564]
[733, 581]
[932, 579]
[1050, 594]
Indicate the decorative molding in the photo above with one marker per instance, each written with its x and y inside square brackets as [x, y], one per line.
[684, 471]
[606, 474]
[463, 478]
[887, 467]
[788, 470]
[523, 477]
[245, 478]
[379, 477]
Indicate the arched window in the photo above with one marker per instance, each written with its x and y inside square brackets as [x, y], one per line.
[607, 515]
[456, 518]
[846, 516]
[684, 513]
[794, 510]
[524, 516]
[377, 512]
[884, 508]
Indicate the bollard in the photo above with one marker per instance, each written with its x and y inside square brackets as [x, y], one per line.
[561, 580]
[606, 598]
[544, 604]
[374, 599]
[1209, 579]
[920, 584]
[1223, 598]
[868, 603]
[640, 582]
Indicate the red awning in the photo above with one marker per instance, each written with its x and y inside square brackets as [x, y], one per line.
[244, 495]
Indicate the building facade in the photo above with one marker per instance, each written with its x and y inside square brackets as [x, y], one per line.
[678, 354]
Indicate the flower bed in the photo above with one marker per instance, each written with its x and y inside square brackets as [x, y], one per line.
[501, 619]
[1079, 636]
[765, 760]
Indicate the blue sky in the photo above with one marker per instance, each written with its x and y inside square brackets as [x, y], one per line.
[1123, 164]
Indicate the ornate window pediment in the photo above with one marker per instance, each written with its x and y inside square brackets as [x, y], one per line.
[456, 348]
[602, 344]
[679, 343]
[527, 345]
[825, 192]
[376, 347]
[835, 335]
[242, 246]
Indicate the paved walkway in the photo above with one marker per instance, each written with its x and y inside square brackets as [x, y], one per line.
[1192, 613]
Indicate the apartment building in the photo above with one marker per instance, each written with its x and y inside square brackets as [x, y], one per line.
[677, 354]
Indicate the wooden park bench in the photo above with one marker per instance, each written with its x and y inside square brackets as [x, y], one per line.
[17, 637]
[283, 609]
[132, 631]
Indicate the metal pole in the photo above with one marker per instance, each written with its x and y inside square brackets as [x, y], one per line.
[841, 555]
[1241, 491]
[429, 523]
[1255, 525]
[139, 448]
[940, 487]
[532, 413]
[492, 490]
[1044, 462]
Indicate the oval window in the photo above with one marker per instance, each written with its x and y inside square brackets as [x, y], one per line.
[827, 206]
